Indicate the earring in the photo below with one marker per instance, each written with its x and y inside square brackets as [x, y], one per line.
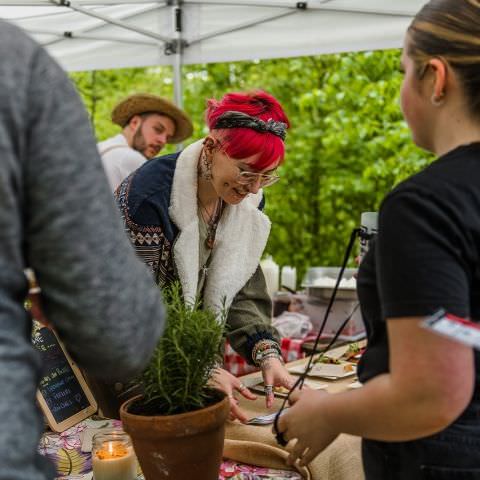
[206, 169]
[437, 100]
[209, 143]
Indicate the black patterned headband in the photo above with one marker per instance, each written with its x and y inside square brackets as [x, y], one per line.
[233, 119]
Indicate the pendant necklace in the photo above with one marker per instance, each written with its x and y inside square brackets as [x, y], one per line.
[211, 222]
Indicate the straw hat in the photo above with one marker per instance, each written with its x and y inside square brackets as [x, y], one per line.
[145, 102]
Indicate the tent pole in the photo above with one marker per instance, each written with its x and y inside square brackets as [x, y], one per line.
[175, 48]
[177, 80]
[177, 56]
[110, 20]
[249, 24]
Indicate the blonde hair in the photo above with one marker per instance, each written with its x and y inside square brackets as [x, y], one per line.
[450, 29]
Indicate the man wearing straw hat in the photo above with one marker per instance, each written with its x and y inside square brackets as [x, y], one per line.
[148, 122]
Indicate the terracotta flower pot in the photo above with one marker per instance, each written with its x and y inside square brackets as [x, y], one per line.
[178, 447]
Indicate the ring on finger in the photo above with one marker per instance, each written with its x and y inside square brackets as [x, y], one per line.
[268, 389]
[241, 387]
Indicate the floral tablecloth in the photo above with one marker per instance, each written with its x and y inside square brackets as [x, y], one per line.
[65, 450]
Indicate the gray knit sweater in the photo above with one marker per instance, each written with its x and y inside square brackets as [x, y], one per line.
[57, 216]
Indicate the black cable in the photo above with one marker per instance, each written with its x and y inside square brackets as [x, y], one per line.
[301, 379]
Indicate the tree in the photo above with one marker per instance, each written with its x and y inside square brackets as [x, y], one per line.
[347, 147]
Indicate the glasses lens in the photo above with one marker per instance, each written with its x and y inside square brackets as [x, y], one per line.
[270, 181]
[247, 178]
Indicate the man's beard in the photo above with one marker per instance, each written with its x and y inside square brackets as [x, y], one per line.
[139, 143]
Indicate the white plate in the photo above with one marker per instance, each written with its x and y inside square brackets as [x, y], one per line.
[265, 419]
[355, 385]
[337, 353]
[327, 370]
[310, 383]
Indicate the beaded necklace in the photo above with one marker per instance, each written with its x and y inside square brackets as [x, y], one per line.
[211, 221]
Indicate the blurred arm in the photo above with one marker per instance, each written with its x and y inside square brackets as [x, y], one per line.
[96, 293]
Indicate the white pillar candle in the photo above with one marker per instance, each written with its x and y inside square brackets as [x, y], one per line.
[113, 460]
[289, 277]
[271, 273]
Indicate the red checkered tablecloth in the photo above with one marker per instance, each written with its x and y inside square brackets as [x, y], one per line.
[237, 365]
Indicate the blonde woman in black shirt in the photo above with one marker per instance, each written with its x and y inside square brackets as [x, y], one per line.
[419, 410]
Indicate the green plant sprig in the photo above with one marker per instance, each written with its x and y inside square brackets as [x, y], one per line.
[176, 379]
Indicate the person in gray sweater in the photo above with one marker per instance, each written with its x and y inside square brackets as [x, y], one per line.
[58, 217]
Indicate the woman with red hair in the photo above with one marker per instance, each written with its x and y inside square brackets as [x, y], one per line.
[196, 217]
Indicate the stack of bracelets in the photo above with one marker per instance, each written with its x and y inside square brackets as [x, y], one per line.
[266, 349]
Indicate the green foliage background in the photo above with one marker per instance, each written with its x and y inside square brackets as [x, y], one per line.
[347, 147]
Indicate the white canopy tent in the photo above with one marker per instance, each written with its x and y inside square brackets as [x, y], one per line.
[101, 34]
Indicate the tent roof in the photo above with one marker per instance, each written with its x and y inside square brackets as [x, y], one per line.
[99, 34]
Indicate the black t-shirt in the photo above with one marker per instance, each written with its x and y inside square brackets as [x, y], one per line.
[427, 252]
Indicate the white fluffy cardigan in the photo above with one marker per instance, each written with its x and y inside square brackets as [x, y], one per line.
[241, 237]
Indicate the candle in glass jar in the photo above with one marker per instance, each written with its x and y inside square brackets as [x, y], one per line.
[113, 457]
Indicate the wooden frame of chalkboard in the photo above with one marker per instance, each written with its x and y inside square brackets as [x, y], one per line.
[63, 394]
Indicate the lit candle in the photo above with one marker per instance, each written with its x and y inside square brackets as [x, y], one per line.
[113, 457]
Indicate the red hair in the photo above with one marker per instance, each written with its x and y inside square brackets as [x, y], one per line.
[244, 142]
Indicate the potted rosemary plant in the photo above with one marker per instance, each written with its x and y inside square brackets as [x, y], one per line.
[178, 425]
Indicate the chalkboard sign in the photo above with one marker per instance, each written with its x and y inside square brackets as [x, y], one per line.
[62, 394]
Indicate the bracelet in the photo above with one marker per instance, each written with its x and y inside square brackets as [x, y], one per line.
[265, 349]
[264, 345]
[264, 353]
[260, 347]
[266, 358]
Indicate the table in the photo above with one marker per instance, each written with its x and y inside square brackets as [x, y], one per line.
[343, 455]
[340, 461]
[64, 450]
[334, 386]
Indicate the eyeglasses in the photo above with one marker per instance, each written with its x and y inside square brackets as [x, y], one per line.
[248, 178]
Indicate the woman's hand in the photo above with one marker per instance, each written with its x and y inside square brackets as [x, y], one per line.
[275, 375]
[304, 422]
[229, 384]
